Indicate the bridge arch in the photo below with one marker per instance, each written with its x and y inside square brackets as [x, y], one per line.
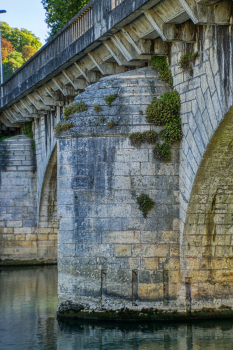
[207, 250]
[47, 218]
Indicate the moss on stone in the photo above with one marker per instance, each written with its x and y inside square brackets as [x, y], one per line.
[165, 111]
[186, 62]
[76, 107]
[145, 204]
[160, 64]
[63, 127]
[97, 108]
[110, 98]
[137, 138]
[111, 124]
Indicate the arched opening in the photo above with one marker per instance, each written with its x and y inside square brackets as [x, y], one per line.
[207, 254]
[47, 221]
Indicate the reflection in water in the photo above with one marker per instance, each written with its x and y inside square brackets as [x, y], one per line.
[28, 301]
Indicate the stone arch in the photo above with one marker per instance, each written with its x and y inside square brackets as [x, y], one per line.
[207, 250]
[47, 218]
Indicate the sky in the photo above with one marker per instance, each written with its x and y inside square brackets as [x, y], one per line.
[28, 14]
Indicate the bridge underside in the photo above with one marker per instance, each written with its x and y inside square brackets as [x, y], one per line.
[178, 260]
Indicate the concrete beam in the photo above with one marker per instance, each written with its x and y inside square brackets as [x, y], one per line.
[82, 71]
[48, 101]
[141, 46]
[40, 106]
[65, 90]
[57, 96]
[208, 13]
[105, 68]
[78, 84]
[127, 49]
[5, 121]
[119, 57]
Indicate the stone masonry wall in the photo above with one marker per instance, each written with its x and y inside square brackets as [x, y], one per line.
[205, 167]
[109, 255]
[20, 240]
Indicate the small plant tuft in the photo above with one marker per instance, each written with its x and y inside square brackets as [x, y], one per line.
[102, 119]
[163, 151]
[76, 107]
[96, 124]
[187, 61]
[63, 127]
[4, 138]
[110, 98]
[98, 108]
[111, 124]
[159, 63]
[145, 204]
[137, 138]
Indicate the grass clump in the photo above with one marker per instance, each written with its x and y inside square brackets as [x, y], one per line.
[63, 127]
[76, 107]
[96, 124]
[110, 98]
[111, 124]
[137, 138]
[4, 138]
[187, 61]
[163, 151]
[145, 204]
[159, 63]
[165, 111]
[97, 108]
[102, 119]
[27, 131]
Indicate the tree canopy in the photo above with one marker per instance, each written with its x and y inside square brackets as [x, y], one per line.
[28, 51]
[19, 37]
[18, 45]
[60, 12]
[7, 48]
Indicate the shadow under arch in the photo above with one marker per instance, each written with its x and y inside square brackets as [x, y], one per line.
[47, 217]
[207, 247]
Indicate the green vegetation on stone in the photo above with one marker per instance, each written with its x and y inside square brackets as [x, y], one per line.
[76, 107]
[110, 98]
[159, 63]
[63, 127]
[137, 138]
[27, 131]
[187, 61]
[145, 204]
[165, 111]
[97, 108]
[111, 124]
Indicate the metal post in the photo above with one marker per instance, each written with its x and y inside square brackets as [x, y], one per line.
[1, 68]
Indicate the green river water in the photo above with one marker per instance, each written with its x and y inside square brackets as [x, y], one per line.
[28, 302]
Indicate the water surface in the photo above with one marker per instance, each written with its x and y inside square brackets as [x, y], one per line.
[28, 302]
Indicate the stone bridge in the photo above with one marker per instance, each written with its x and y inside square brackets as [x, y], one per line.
[179, 258]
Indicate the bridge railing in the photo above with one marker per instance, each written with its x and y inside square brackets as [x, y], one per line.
[115, 3]
[93, 22]
[79, 25]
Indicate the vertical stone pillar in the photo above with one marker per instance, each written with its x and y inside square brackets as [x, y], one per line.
[101, 229]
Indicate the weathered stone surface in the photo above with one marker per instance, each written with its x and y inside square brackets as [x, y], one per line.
[20, 239]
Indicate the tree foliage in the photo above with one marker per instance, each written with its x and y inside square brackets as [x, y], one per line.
[18, 45]
[10, 65]
[7, 48]
[27, 52]
[60, 12]
[20, 37]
